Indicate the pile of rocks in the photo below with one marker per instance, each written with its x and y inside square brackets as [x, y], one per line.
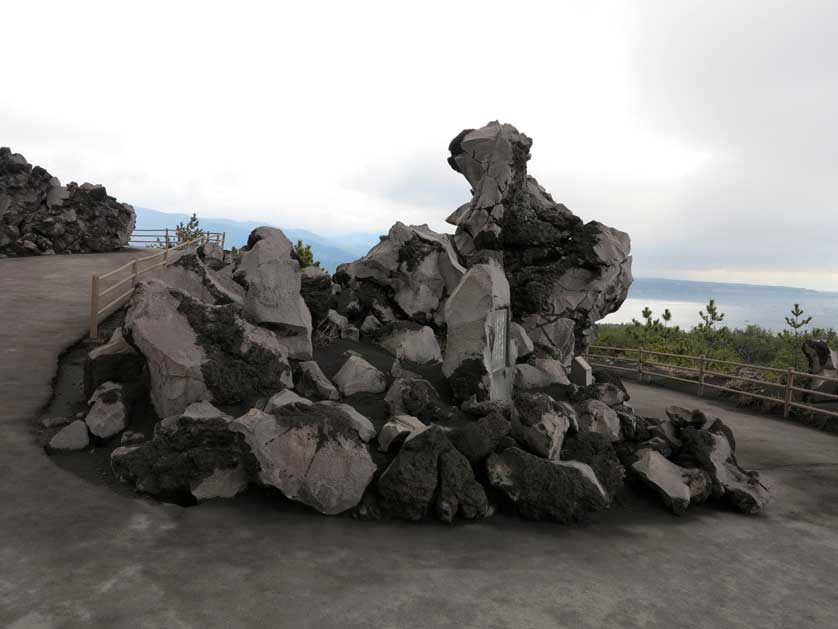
[40, 216]
[447, 390]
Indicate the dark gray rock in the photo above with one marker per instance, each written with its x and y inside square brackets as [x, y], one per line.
[564, 491]
[115, 361]
[596, 450]
[477, 440]
[713, 453]
[429, 472]
[556, 265]
[40, 216]
[677, 487]
[416, 397]
[187, 451]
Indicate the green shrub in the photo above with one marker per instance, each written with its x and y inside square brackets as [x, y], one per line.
[304, 255]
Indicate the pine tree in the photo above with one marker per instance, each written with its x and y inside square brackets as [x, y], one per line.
[190, 231]
[795, 322]
[666, 316]
[712, 317]
[305, 255]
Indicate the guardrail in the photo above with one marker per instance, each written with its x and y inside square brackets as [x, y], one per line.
[167, 238]
[648, 362]
[131, 272]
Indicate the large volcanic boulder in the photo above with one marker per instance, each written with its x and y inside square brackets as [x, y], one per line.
[713, 453]
[556, 264]
[476, 358]
[271, 277]
[430, 473]
[38, 215]
[678, 487]
[539, 489]
[407, 275]
[195, 351]
[316, 454]
[191, 274]
[194, 452]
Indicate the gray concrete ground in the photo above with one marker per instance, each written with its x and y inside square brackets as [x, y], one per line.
[77, 554]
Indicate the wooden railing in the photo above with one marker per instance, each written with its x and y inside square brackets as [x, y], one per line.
[644, 362]
[104, 286]
[167, 238]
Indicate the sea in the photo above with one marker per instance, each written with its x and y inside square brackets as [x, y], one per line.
[742, 304]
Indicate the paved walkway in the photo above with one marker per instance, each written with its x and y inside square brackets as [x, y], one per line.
[76, 554]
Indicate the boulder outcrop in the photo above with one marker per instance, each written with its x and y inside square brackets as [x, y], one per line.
[196, 352]
[556, 264]
[316, 454]
[272, 279]
[408, 275]
[40, 216]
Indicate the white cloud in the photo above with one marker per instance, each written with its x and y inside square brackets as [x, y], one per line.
[704, 130]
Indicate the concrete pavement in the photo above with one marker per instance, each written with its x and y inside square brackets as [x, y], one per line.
[74, 554]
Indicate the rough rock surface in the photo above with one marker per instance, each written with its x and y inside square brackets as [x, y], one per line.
[314, 454]
[398, 426]
[272, 281]
[678, 487]
[108, 412]
[195, 351]
[823, 361]
[430, 472]
[192, 454]
[595, 416]
[72, 437]
[189, 274]
[540, 424]
[563, 491]
[115, 361]
[358, 376]
[713, 453]
[477, 440]
[283, 398]
[414, 396]
[596, 450]
[555, 264]
[469, 364]
[312, 383]
[417, 344]
[40, 216]
[408, 275]
[316, 290]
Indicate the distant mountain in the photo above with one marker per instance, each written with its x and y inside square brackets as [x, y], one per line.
[688, 290]
[331, 251]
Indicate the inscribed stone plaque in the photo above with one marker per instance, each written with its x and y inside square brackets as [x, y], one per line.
[498, 324]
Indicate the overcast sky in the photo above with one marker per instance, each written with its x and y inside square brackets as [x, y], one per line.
[706, 130]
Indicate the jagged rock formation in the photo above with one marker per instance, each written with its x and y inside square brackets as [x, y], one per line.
[408, 275]
[40, 216]
[558, 267]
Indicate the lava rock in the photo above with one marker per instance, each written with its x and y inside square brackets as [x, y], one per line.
[358, 376]
[72, 437]
[312, 383]
[115, 361]
[39, 216]
[564, 491]
[314, 454]
[677, 487]
[414, 396]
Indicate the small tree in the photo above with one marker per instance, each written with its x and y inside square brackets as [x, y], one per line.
[712, 317]
[190, 231]
[304, 255]
[666, 316]
[795, 322]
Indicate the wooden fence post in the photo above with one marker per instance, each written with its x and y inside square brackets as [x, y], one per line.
[94, 306]
[135, 273]
[223, 238]
[701, 368]
[640, 367]
[167, 238]
[789, 385]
